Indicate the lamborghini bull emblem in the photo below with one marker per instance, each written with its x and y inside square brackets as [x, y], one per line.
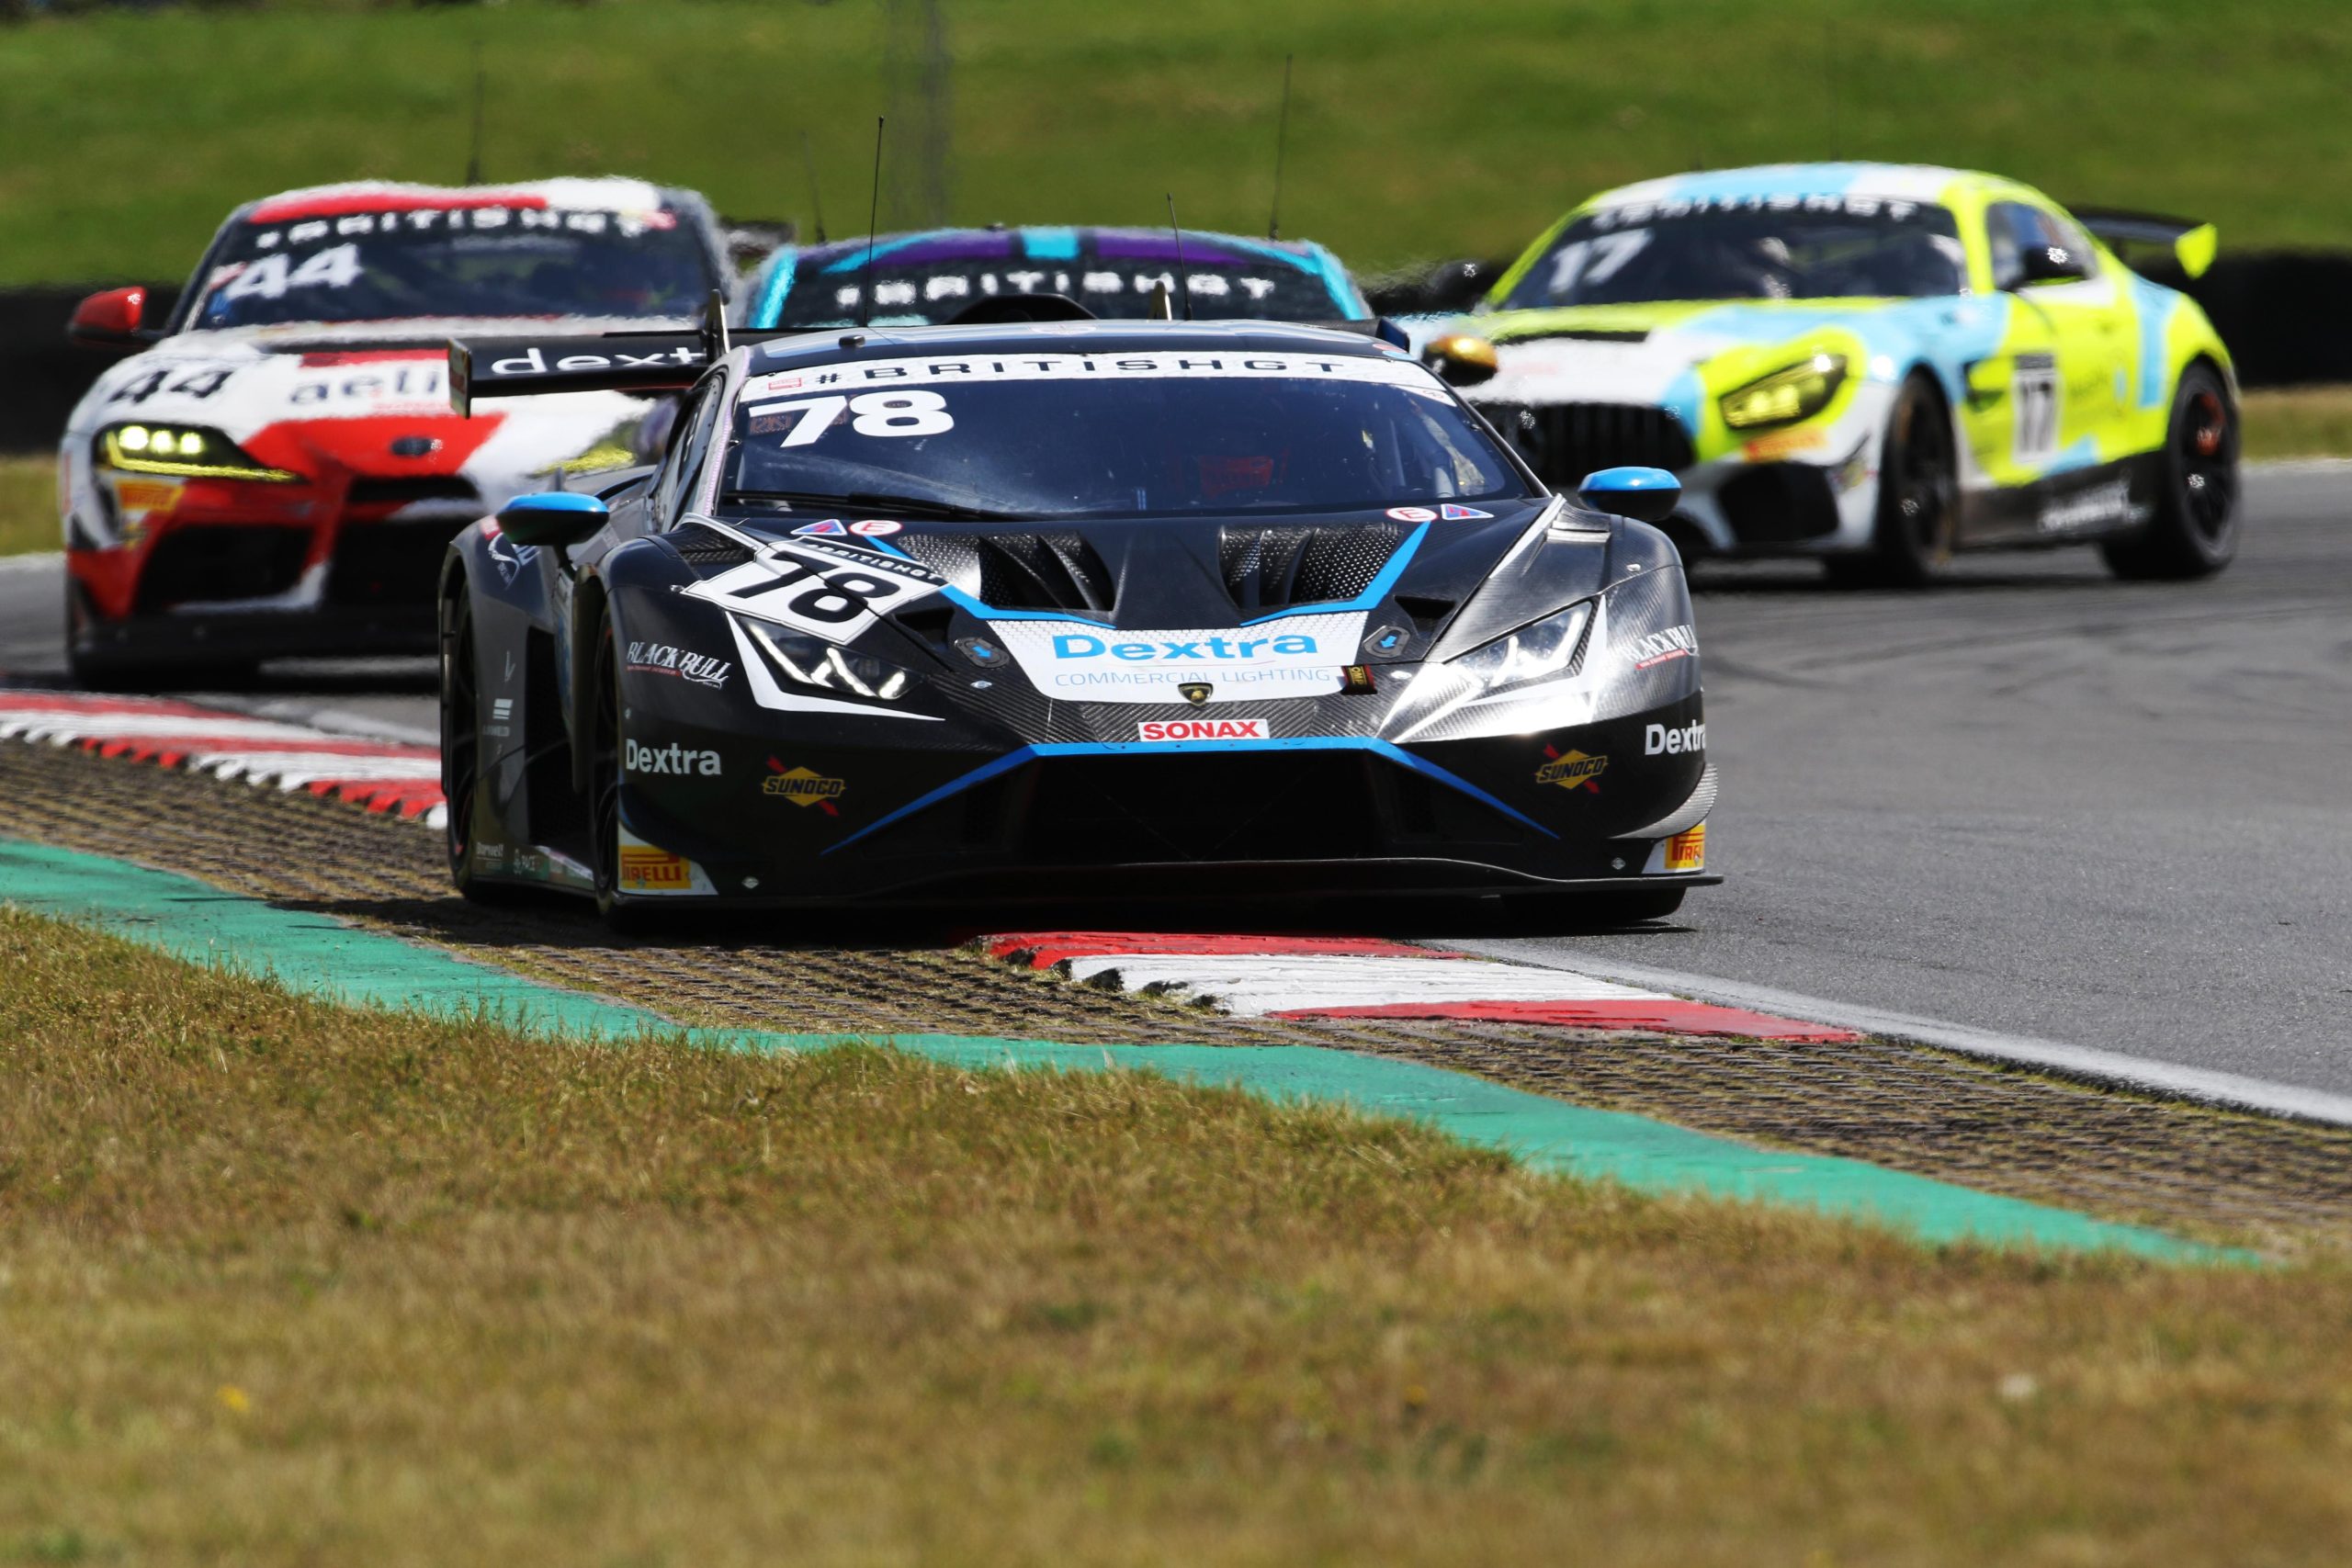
[1196, 691]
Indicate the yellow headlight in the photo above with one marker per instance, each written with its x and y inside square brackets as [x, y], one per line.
[1785, 396]
[178, 450]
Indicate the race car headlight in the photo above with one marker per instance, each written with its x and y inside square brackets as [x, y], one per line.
[824, 666]
[1785, 396]
[1542, 650]
[189, 451]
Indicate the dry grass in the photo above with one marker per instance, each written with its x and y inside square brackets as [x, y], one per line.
[281, 1283]
[2298, 421]
[27, 504]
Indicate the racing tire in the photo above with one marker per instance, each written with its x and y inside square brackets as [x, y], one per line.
[622, 918]
[1919, 498]
[1594, 911]
[461, 749]
[2195, 530]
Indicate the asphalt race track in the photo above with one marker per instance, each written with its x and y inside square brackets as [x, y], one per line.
[2035, 801]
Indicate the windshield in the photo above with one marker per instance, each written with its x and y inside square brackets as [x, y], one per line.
[1116, 435]
[1767, 248]
[492, 260]
[935, 279]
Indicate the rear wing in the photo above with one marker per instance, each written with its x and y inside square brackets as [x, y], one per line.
[609, 361]
[2191, 242]
[594, 362]
[650, 363]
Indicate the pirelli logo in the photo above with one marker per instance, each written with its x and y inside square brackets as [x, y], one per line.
[648, 870]
[1687, 851]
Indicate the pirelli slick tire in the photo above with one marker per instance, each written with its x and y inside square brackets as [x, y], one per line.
[622, 917]
[461, 749]
[2194, 532]
[1918, 496]
[1592, 912]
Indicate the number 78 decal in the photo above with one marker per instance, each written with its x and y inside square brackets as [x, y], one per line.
[835, 597]
[873, 413]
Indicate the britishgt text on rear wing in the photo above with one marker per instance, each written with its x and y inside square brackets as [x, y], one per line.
[2192, 243]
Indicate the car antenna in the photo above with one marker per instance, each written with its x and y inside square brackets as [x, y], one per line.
[715, 343]
[873, 210]
[1182, 283]
[1282, 141]
[473, 149]
[816, 196]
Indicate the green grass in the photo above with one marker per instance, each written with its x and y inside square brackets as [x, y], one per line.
[27, 504]
[1417, 131]
[2299, 422]
[281, 1283]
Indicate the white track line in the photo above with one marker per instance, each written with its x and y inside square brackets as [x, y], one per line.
[342, 723]
[2085, 1062]
[1248, 986]
[47, 724]
[39, 561]
[290, 770]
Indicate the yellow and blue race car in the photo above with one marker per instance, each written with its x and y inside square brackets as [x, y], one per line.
[1877, 365]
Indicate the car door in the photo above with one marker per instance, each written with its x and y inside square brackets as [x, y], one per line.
[2065, 356]
[652, 508]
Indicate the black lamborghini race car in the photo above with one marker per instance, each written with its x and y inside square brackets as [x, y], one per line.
[957, 613]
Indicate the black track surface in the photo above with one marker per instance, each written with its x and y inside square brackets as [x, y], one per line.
[2033, 800]
[2043, 802]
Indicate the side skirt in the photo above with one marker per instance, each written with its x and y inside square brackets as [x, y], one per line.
[2077, 507]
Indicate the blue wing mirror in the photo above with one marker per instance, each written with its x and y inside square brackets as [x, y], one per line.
[551, 517]
[1647, 495]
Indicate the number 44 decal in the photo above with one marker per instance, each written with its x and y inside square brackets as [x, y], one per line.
[2034, 398]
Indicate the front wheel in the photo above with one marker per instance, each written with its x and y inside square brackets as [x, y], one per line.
[604, 792]
[1919, 498]
[461, 749]
[2195, 530]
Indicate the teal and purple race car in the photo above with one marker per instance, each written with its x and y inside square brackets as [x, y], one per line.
[998, 274]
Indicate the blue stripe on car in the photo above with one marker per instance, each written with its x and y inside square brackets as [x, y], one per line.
[1015, 759]
[1050, 244]
[1375, 592]
[850, 260]
[768, 310]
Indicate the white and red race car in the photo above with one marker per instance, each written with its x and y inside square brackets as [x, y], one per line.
[276, 470]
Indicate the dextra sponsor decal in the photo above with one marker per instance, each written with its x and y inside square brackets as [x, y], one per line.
[1085, 646]
[533, 362]
[1659, 648]
[1201, 729]
[674, 760]
[1657, 740]
[1299, 656]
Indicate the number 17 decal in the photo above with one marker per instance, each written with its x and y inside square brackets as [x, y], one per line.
[2034, 396]
[875, 413]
